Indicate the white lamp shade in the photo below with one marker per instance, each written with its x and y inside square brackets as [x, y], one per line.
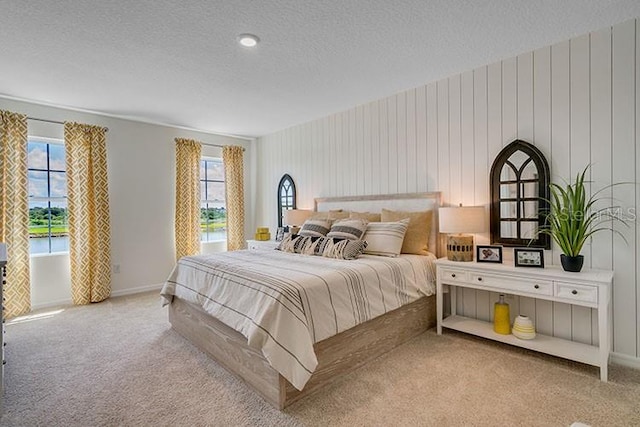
[296, 217]
[463, 219]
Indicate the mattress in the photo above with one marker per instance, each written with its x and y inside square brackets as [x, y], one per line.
[283, 303]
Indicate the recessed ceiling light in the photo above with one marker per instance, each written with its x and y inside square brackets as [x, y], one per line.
[248, 40]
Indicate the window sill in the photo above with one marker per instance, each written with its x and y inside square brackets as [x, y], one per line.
[50, 254]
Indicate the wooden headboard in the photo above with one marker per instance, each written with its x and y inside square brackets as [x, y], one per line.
[411, 202]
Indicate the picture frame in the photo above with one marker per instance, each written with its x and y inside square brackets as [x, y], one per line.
[489, 253]
[528, 257]
[279, 234]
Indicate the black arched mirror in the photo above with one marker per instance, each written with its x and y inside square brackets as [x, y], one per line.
[519, 195]
[286, 196]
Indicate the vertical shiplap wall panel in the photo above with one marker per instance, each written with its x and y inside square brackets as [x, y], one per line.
[411, 161]
[624, 146]
[444, 168]
[433, 172]
[509, 100]
[525, 97]
[366, 150]
[422, 165]
[384, 148]
[455, 148]
[401, 141]
[560, 161]
[358, 151]
[393, 147]
[580, 155]
[577, 101]
[376, 166]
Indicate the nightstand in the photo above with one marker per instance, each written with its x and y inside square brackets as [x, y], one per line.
[262, 245]
[589, 288]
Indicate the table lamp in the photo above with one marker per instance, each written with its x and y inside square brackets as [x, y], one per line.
[294, 218]
[458, 220]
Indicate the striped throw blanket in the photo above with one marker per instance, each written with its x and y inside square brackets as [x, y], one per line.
[284, 302]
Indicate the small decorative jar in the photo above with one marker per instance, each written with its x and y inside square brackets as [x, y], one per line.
[523, 328]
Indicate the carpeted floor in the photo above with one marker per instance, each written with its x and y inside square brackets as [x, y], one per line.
[118, 363]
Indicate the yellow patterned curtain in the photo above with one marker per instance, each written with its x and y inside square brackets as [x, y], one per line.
[234, 189]
[187, 225]
[14, 215]
[88, 204]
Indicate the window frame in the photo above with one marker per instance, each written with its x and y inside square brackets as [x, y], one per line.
[206, 201]
[48, 199]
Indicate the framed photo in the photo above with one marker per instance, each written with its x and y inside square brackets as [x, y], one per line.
[279, 234]
[489, 253]
[526, 257]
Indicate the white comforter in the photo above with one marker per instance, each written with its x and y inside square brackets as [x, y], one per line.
[284, 303]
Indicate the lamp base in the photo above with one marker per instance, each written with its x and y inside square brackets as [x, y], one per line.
[460, 248]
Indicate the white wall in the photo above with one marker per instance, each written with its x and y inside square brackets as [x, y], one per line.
[141, 168]
[578, 101]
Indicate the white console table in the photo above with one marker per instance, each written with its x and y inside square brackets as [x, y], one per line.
[589, 288]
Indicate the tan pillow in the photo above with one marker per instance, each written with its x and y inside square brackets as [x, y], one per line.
[338, 214]
[416, 240]
[319, 215]
[367, 216]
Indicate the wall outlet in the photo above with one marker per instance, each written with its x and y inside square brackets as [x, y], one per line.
[116, 268]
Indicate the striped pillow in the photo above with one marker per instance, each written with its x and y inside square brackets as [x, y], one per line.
[352, 229]
[323, 246]
[385, 238]
[315, 228]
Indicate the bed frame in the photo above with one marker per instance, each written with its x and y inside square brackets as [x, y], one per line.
[337, 355]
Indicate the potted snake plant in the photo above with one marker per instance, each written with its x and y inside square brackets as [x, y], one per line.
[572, 219]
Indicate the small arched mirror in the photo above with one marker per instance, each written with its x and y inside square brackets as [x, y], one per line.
[519, 195]
[286, 196]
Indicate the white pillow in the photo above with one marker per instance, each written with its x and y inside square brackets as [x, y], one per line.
[385, 238]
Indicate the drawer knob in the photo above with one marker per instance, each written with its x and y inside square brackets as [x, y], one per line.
[536, 286]
[574, 292]
[479, 279]
[453, 274]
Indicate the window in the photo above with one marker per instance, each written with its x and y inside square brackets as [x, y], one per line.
[286, 196]
[48, 230]
[213, 211]
[519, 196]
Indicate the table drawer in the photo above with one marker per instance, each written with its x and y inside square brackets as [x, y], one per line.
[575, 292]
[453, 276]
[539, 287]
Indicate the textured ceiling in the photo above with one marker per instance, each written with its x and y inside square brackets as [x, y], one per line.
[178, 62]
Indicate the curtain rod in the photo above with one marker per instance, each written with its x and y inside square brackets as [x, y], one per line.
[54, 121]
[217, 145]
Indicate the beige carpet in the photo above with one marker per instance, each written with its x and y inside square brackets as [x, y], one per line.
[118, 363]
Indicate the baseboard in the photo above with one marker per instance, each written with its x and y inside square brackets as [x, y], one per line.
[138, 290]
[625, 360]
[119, 293]
[52, 304]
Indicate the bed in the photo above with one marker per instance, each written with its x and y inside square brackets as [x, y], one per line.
[299, 322]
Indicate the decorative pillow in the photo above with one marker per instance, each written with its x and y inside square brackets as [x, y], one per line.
[385, 238]
[330, 215]
[416, 240]
[338, 214]
[367, 216]
[323, 246]
[315, 228]
[352, 229]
